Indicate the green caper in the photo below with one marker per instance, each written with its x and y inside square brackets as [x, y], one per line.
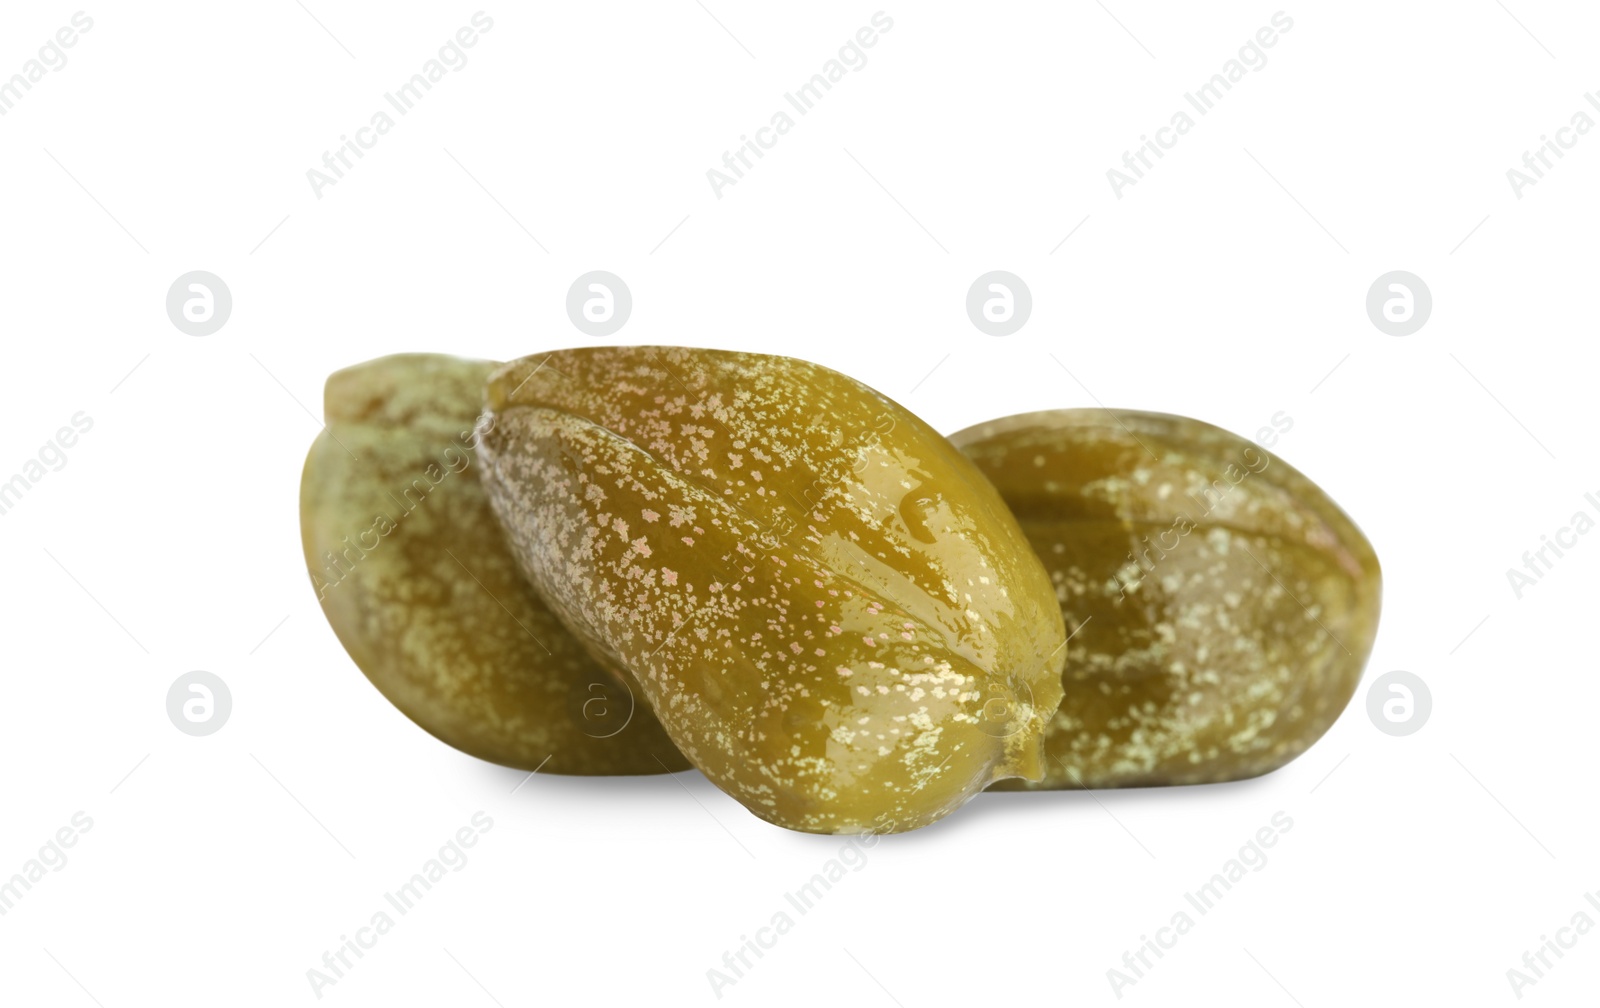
[415, 578]
[1220, 606]
[830, 610]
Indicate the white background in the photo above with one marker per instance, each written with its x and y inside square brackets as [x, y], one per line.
[218, 870]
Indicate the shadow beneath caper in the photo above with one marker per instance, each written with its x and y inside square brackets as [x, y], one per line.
[1027, 808]
[1165, 793]
[600, 787]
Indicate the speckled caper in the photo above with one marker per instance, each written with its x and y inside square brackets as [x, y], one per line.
[830, 610]
[415, 578]
[1220, 605]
